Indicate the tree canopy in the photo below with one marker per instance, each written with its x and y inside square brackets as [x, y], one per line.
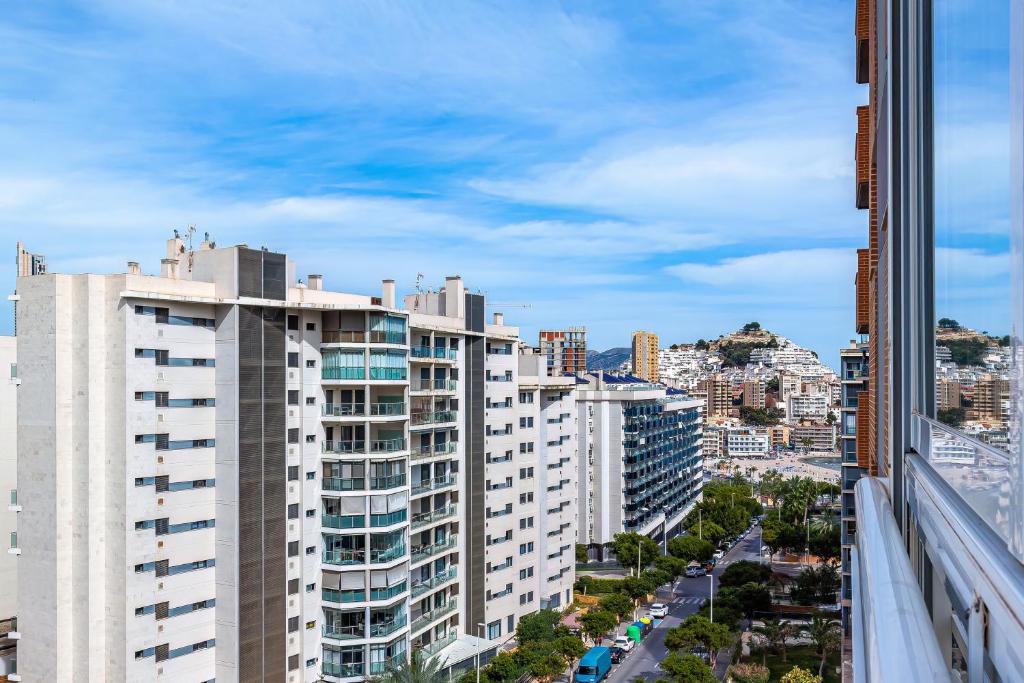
[625, 545]
[686, 668]
[690, 548]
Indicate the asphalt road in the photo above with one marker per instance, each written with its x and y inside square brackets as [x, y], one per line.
[684, 598]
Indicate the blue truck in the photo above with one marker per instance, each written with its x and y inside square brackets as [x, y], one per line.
[594, 665]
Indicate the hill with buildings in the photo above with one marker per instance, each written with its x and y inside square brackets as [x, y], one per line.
[611, 359]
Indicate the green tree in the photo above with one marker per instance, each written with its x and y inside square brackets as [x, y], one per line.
[571, 648]
[698, 630]
[742, 572]
[548, 667]
[617, 603]
[826, 636]
[948, 324]
[656, 577]
[685, 668]
[637, 587]
[816, 584]
[540, 627]
[504, 666]
[416, 669]
[689, 548]
[760, 417]
[771, 485]
[625, 546]
[596, 623]
[752, 327]
[581, 554]
[669, 564]
[701, 345]
[954, 417]
[753, 598]
[711, 532]
[798, 675]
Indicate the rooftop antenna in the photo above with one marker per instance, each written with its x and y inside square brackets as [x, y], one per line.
[189, 232]
[419, 289]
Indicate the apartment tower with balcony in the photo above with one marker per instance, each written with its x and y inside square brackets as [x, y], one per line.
[213, 466]
[507, 439]
[564, 351]
[640, 459]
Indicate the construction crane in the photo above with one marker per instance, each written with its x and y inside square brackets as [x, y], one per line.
[505, 305]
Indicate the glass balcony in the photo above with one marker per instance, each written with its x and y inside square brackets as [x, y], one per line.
[343, 521]
[394, 481]
[343, 670]
[422, 519]
[433, 615]
[434, 417]
[387, 373]
[388, 409]
[344, 557]
[424, 552]
[387, 445]
[343, 337]
[390, 592]
[390, 663]
[344, 409]
[429, 451]
[351, 446]
[433, 353]
[443, 481]
[386, 628]
[339, 484]
[386, 337]
[389, 554]
[343, 373]
[432, 648]
[344, 632]
[342, 596]
[439, 579]
[396, 517]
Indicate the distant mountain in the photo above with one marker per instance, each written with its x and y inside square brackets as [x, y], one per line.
[608, 360]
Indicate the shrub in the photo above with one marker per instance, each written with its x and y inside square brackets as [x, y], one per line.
[749, 673]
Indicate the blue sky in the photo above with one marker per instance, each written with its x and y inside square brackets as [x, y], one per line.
[682, 167]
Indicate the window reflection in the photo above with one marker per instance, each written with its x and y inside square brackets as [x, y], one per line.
[971, 66]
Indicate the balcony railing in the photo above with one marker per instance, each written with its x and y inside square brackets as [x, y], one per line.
[433, 352]
[343, 521]
[429, 451]
[390, 663]
[499, 378]
[389, 554]
[435, 646]
[344, 557]
[343, 337]
[339, 484]
[388, 409]
[890, 619]
[422, 519]
[389, 592]
[434, 417]
[389, 518]
[341, 597]
[387, 445]
[443, 481]
[344, 632]
[387, 373]
[343, 373]
[433, 582]
[390, 482]
[424, 552]
[343, 670]
[351, 446]
[344, 409]
[437, 384]
[386, 628]
[433, 615]
[383, 337]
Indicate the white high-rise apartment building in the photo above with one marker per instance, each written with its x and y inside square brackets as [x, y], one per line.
[508, 431]
[640, 459]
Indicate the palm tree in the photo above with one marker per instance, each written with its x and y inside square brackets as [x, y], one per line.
[415, 669]
[775, 633]
[825, 635]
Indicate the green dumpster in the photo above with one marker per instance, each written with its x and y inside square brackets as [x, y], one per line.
[633, 633]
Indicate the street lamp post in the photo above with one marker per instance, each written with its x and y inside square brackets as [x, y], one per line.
[700, 524]
[711, 576]
[481, 627]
